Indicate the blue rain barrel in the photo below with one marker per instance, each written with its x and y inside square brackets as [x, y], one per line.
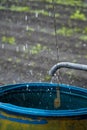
[43, 106]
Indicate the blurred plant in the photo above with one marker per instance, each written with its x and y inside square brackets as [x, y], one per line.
[37, 49]
[30, 29]
[19, 8]
[9, 40]
[47, 78]
[65, 31]
[40, 11]
[83, 37]
[67, 2]
[85, 30]
[78, 15]
[2, 8]
[9, 59]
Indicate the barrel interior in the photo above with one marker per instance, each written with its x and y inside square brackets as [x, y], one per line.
[43, 97]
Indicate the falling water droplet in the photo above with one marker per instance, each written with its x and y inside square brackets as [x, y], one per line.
[69, 90]
[3, 46]
[39, 103]
[18, 79]
[51, 89]
[84, 45]
[49, 13]
[47, 107]
[17, 48]
[26, 17]
[24, 48]
[36, 14]
[31, 72]
[53, 78]
[14, 82]
[38, 94]
[50, 94]
[27, 87]
[48, 89]
[23, 96]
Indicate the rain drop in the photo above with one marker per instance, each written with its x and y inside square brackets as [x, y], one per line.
[27, 87]
[31, 72]
[17, 48]
[3, 46]
[27, 28]
[24, 48]
[84, 45]
[26, 17]
[23, 96]
[39, 103]
[36, 14]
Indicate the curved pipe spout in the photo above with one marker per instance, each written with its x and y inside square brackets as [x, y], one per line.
[67, 65]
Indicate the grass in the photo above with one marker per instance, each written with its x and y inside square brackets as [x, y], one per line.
[67, 32]
[30, 29]
[27, 9]
[85, 30]
[9, 40]
[2, 8]
[64, 31]
[19, 8]
[47, 78]
[78, 16]
[43, 12]
[83, 37]
[67, 2]
[37, 49]
[16, 8]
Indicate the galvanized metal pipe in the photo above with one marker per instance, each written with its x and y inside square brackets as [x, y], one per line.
[67, 65]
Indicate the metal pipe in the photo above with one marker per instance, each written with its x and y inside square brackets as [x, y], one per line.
[67, 65]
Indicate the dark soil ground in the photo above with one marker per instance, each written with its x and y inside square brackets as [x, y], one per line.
[35, 51]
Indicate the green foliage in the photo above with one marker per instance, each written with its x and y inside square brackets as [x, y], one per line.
[57, 15]
[83, 37]
[47, 78]
[19, 8]
[18, 60]
[9, 40]
[65, 31]
[67, 2]
[78, 15]
[42, 12]
[85, 30]
[30, 29]
[78, 30]
[37, 49]
[2, 8]
[16, 8]
[9, 59]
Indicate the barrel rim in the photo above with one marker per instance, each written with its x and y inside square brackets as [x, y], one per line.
[41, 112]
